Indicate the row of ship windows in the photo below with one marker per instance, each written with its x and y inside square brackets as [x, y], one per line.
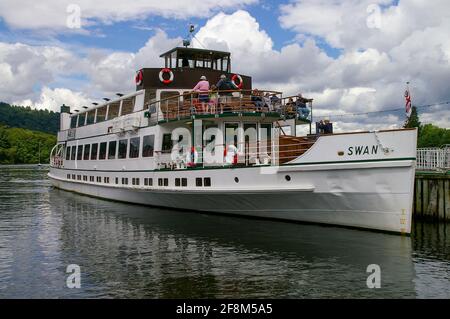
[113, 149]
[179, 182]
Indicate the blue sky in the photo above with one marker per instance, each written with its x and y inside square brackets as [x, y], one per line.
[131, 35]
[326, 49]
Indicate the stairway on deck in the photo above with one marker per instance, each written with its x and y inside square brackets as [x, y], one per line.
[291, 147]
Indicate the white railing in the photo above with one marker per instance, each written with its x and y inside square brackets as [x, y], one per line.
[433, 159]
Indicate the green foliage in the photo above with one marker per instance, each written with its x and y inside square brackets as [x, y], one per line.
[428, 134]
[413, 120]
[433, 136]
[20, 146]
[26, 117]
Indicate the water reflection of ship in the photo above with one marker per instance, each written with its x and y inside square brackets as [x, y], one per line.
[135, 251]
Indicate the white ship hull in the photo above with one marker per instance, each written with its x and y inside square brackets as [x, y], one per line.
[374, 191]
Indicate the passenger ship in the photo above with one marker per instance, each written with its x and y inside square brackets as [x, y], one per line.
[162, 146]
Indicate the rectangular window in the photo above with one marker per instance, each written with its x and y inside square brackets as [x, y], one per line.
[167, 143]
[73, 176]
[102, 154]
[184, 182]
[79, 177]
[113, 110]
[101, 114]
[134, 147]
[91, 178]
[177, 182]
[87, 149]
[106, 180]
[207, 181]
[68, 148]
[85, 178]
[73, 121]
[73, 153]
[148, 181]
[160, 182]
[123, 148]
[90, 117]
[94, 151]
[148, 143]
[117, 180]
[124, 181]
[80, 152]
[99, 179]
[81, 119]
[127, 106]
[198, 181]
[166, 182]
[68, 176]
[112, 150]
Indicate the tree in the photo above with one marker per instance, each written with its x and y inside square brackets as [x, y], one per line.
[413, 119]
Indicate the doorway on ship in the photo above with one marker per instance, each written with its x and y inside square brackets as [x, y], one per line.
[211, 143]
[250, 143]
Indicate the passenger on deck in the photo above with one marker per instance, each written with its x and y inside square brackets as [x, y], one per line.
[275, 102]
[302, 109]
[202, 88]
[213, 99]
[225, 84]
[266, 99]
[257, 99]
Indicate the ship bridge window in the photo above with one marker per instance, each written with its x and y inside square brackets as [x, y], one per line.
[113, 111]
[94, 151]
[79, 152]
[90, 117]
[81, 119]
[87, 149]
[150, 96]
[127, 106]
[167, 143]
[112, 150]
[102, 154]
[73, 121]
[101, 114]
[134, 147]
[148, 143]
[123, 148]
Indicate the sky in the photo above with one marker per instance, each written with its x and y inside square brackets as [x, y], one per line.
[350, 56]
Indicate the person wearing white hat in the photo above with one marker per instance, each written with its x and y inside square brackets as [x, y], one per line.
[202, 87]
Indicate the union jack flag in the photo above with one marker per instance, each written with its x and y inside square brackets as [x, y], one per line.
[407, 102]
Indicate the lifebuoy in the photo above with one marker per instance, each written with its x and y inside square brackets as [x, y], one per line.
[139, 77]
[241, 82]
[162, 72]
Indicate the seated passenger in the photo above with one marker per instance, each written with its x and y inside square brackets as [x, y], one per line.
[257, 99]
[302, 109]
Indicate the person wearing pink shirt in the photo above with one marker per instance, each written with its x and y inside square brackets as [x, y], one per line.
[202, 86]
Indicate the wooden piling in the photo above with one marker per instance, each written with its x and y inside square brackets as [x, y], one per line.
[432, 196]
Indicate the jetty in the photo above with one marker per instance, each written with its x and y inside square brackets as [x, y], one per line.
[432, 184]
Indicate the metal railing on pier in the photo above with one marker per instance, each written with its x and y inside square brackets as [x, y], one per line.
[433, 158]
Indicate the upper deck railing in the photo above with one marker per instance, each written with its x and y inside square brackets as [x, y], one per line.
[213, 103]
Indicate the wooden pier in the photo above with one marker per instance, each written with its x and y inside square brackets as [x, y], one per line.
[432, 196]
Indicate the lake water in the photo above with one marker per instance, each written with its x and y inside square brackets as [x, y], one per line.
[132, 251]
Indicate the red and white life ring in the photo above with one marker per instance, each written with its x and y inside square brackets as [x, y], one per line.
[241, 82]
[162, 72]
[139, 77]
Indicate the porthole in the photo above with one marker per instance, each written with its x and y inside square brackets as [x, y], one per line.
[236, 180]
[287, 177]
